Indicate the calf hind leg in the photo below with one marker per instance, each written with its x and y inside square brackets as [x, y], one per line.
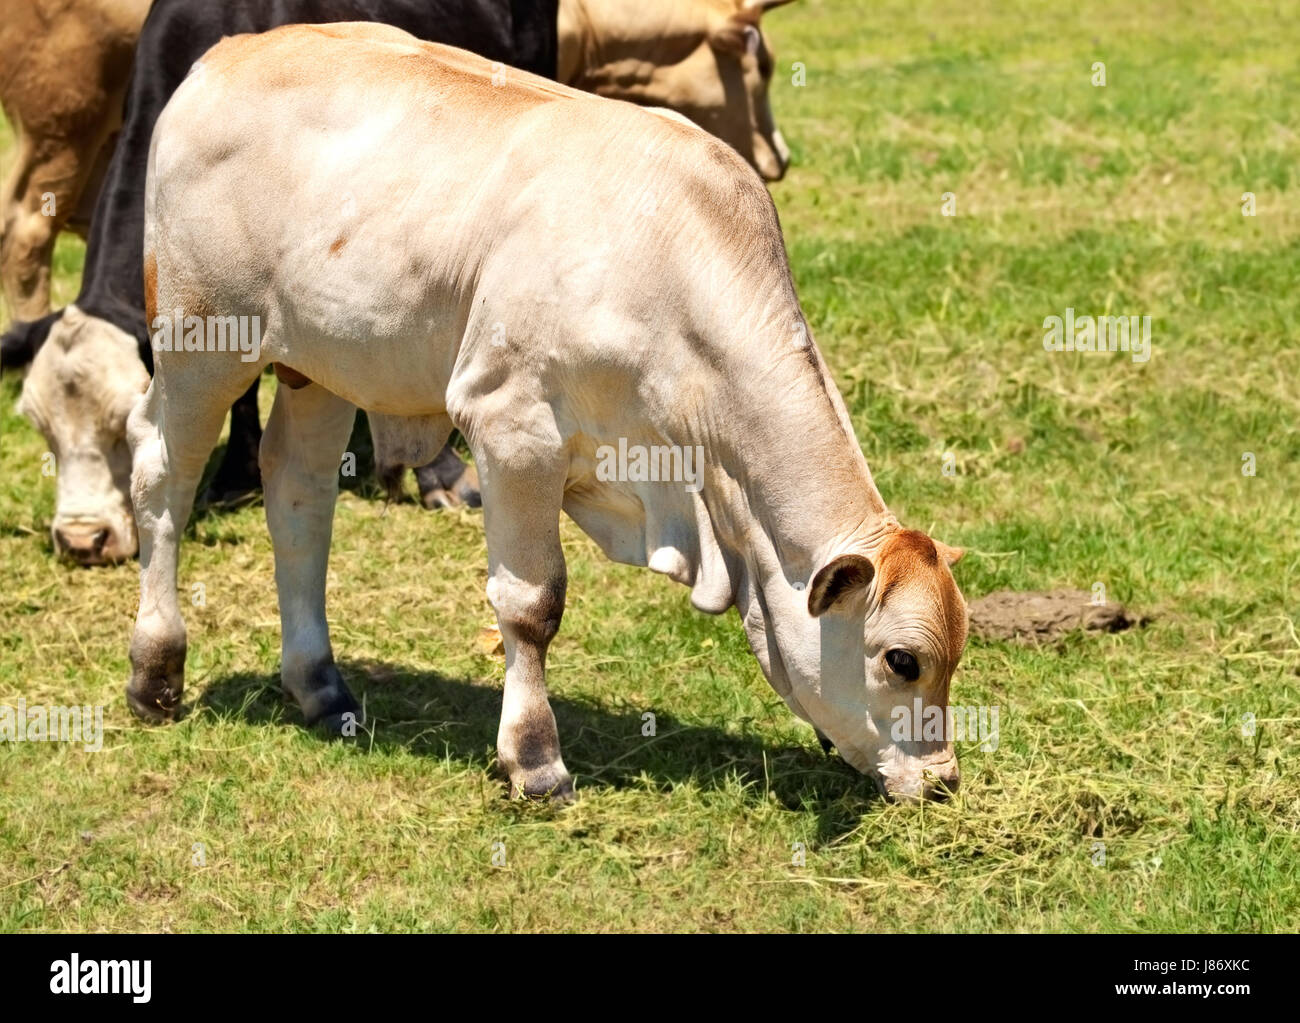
[526, 585]
[304, 442]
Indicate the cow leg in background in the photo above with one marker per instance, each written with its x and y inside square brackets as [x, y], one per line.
[52, 166]
[447, 482]
[305, 438]
[526, 586]
[168, 454]
[239, 474]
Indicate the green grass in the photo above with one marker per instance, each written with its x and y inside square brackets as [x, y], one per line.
[1071, 469]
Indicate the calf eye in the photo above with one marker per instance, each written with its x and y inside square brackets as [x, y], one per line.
[902, 663]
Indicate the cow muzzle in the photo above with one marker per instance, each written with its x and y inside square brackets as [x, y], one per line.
[941, 781]
[935, 782]
[91, 542]
[773, 158]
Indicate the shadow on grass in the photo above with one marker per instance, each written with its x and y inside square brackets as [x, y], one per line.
[433, 715]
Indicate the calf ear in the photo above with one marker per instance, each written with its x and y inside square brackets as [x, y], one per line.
[763, 6]
[836, 580]
[951, 555]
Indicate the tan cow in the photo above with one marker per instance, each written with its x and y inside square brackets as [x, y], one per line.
[618, 339]
[69, 60]
[66, 65]
[707, 59]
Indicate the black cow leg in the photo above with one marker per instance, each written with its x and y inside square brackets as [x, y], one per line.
[447, 482]
[239, 475]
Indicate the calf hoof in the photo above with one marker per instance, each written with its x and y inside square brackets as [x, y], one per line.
[551, 783]
[156, 705]
[157, 681]
[343, 724]
[328, 704]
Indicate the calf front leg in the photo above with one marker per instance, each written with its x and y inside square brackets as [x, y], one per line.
[526, 586]
[304, 441]
[168, 451]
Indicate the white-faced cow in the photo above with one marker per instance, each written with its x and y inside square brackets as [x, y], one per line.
[570, 311]
[706, 58]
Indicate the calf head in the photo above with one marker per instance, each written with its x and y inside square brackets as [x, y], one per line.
[706, 59]
[82, 383]
[880, 635]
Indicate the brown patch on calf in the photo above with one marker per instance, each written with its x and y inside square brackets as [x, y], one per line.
[150, 288]
[291, 378]
[910, 557]
[337, 247]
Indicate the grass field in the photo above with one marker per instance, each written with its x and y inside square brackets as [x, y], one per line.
[1070, 469]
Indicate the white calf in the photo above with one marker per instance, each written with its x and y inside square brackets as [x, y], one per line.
[443, 250]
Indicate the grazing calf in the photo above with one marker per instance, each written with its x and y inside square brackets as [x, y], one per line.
[705, 57]
[506, 270]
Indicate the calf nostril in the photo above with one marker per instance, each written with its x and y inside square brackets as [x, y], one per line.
[100, 539]
[939, 788]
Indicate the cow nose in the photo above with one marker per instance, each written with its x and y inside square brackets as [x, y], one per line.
[941, 782]
[773, 168]
[83, 544]
[779, 163]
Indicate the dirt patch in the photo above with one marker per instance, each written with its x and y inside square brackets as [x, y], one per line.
[1040, 617]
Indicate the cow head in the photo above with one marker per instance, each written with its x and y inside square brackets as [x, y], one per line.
[706, 59]
[82, 383]
[868, 641]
